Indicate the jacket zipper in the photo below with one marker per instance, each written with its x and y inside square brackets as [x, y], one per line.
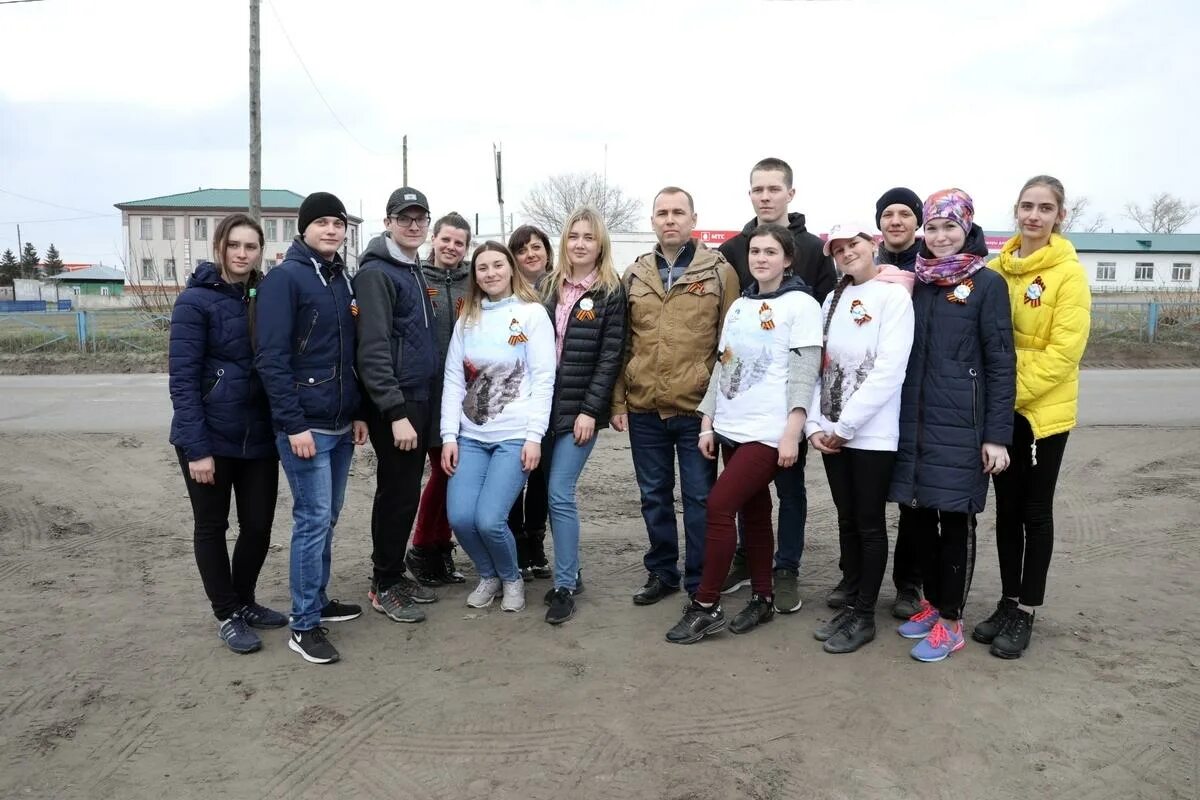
[974, 397]
[312, 326]
[213, 388]
[921, 406]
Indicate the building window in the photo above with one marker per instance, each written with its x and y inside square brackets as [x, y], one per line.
[271, 227]
[147, 228]
[169, 269]
[289, 229]
[75, 290]
[1181, 273]
[148, 269]
[1106, 270]
[104, 291]
[168, 228]
[200, 229]
[1143, 271]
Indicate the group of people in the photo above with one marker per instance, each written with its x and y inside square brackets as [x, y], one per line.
[916, 371]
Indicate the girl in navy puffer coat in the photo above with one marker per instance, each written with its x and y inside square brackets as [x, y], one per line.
[221, 429]
[955, 413]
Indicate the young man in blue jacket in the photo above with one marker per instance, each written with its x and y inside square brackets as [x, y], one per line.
[397, 362]
[306, 347]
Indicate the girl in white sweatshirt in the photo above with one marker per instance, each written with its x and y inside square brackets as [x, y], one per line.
[495, 408]
[854, 419]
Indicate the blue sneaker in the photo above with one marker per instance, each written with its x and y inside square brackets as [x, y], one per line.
[921, 623]
[236, 634]
[257, 616]
[939, 644]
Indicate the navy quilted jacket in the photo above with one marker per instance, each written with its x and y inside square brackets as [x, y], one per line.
[220, 406]
[959, 392]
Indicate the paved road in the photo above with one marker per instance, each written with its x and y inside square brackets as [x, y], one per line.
[120, 403]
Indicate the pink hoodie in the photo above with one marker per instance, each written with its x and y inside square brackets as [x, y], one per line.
[890, 273]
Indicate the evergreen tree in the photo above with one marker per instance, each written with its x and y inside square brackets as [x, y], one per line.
[10, 268]
[29, 261]
[53, 263]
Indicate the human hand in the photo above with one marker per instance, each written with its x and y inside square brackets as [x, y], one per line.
[203, 470]
[995, 458]
[303, 445]
[404, 435]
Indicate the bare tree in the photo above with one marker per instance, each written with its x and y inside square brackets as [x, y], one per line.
[1075, 217]
[1165, 214]
[552, 201]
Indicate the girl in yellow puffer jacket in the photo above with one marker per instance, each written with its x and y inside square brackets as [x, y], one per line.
[1051, 308]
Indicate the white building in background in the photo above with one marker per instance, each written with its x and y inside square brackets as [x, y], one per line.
[166, 237]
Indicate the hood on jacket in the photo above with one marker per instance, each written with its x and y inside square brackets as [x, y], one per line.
[892, 274]
[1058, 251]
[791, 283]
[377, 250]
[975, 245]
[795, 225]
[436, 273]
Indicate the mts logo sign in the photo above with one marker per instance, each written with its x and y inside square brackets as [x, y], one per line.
[714, 237]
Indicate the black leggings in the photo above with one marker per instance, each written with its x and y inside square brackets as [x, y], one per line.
[255, 482]
[1025, 513]
[946, 543]
[859, 481]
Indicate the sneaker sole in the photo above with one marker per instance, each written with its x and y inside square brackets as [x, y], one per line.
[310, 659]
[243, 651]
[482, 605]
[342, 618]
[706, 632]
[395, 618]
[560, 621]
[942, 657]
[262, 627]
[512, 610]
[855, 649]
[793, 610]
[914, 635]
[735, 587]
[982, 639]
[752, 627]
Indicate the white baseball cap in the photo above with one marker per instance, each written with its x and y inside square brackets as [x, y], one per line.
[848, 230]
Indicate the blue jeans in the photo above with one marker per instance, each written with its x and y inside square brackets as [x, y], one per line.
[563, 461]
[793, 514]
[655, 443]
[478, 498]
[318, 489]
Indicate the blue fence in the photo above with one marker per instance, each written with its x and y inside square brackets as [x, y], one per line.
[1152, 321]
[9, 306]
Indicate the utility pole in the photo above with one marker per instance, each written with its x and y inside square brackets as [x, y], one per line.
[255, 118]
[499, 189]
[404, 145]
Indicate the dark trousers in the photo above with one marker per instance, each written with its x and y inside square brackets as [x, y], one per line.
[946, 543]
[744, 485]
[1025, 513]
[859, 482]
[906, 562]
[397, 491]
[793, 515]
[432, 530]
[527, 517]
[255, 483]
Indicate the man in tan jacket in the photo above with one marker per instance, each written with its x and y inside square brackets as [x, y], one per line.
[678, 296]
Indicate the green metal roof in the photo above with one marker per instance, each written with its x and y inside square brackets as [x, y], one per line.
[232, 199]
[1128, 242]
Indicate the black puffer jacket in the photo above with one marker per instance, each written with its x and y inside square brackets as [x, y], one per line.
[811, 265]
[592, 353]
[958, 393]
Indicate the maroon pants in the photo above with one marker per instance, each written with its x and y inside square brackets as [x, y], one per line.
[433, 528]
[743, 485]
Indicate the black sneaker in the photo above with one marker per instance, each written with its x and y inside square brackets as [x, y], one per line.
[562, 606]
[313, 646]
[419, 594]
[236, 634]
[857, 630]
[828, 629]
[577, 590]
[257, 616]
[907, 603]
[427, 567]
[987, 630]
[542, 571]
[758, 611]
[398, 606]
[337, 611]
[697, 623]
[840, 595]
[1012, 640]
[452, 573]
[652, 591]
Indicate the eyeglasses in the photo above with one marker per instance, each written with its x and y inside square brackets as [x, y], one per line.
[405, 221]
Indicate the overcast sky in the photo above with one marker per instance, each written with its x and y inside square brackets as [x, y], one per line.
[104, 102]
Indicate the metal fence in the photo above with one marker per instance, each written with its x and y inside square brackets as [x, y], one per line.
[130, 330]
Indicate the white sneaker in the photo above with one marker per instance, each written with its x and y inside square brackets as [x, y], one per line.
[514, 596]
[487, 589]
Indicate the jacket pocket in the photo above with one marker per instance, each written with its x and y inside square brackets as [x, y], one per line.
[302, 345]
[319, 397]
[212, 387]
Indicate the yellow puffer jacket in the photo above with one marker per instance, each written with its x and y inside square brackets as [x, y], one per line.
[1052, 312]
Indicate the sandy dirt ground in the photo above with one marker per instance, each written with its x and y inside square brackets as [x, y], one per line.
[113, 683]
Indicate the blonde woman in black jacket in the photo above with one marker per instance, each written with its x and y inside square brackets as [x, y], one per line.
[586, 301]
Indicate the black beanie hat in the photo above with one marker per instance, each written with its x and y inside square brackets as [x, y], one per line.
[902, 195]
[320, 204]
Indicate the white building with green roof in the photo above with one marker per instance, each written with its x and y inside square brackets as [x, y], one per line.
[166, 237]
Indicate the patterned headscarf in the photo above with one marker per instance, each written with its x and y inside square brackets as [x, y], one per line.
[952, 204]
[956, 206]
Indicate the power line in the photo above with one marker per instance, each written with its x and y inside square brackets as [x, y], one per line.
[316, 88]
[55, 219]
[55, 205]
[14, 2]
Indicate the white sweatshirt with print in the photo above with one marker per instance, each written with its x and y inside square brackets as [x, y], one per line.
[500, 374]
[857, 395]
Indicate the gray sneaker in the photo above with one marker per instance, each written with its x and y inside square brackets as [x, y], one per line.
[739, 575]
[398, 607]
[236, 634]
[787, 591]
[419, 594]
